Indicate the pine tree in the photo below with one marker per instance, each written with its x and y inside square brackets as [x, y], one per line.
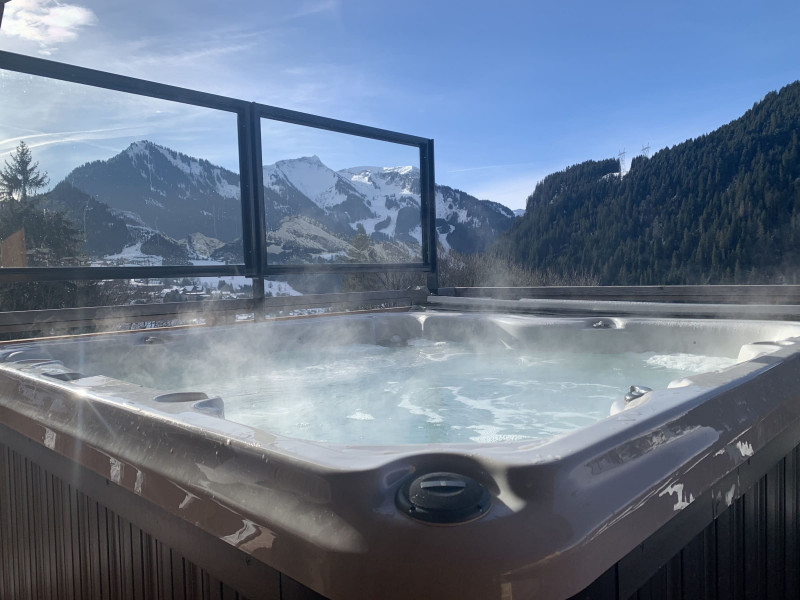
[51, 238]
[21, 178]
[688, 214]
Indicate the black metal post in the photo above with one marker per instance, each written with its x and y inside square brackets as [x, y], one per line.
[248, 190]
[259, 217]
[2, 6]
[428, 208]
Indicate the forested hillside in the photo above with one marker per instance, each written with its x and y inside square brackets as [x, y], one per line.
[721, 208]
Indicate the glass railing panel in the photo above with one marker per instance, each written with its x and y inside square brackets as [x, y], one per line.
[335, 198]
[91, 177]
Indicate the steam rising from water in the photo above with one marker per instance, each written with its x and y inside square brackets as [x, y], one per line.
[426, 391]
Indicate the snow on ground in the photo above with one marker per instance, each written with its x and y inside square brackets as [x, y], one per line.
[131, 255]
[416, 233]
[279, 288]
[328, 188]
[237, 282]
[332, 256]
[309, 176]
[378, 185]
[227, 190]
[190, 166]
[186, 164]
[445, 209]
[200, 245]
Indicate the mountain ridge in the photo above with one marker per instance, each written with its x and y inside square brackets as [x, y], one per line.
[720, 208]
[152, 187]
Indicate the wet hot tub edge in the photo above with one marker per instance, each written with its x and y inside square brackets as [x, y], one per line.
[239, 475]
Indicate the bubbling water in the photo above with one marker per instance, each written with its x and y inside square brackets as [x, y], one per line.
[440, 392]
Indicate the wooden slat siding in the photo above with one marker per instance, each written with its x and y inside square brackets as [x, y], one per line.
[690, 566]
[750, 550]
[122, 545]
[139, 579]
[710, 557]
[752, 543]
[8, 575]
[791, 503]
[60, 539]
[292, 590]
[35, 500]
[24, 532]
[58, 542]
[774, 533]
[177, 571]
[75, 575]
[55, 508]
[37, 542]
[710, 294]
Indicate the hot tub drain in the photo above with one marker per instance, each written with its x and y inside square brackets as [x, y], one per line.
[443, 498]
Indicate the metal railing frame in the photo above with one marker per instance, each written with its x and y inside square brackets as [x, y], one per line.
[248, 114]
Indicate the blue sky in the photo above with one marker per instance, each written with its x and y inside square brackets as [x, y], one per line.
[510, 91]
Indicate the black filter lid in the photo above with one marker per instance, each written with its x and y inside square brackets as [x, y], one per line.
[443, 498]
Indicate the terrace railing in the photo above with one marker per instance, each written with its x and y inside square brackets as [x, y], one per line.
[245, 122]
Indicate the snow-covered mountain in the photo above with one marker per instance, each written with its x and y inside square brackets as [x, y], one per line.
[313, 212]
[384, 201]
[166, 191]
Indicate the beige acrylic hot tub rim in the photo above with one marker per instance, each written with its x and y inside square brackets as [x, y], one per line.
[563, 510]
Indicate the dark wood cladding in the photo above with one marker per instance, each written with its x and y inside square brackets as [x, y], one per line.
[750, 550]
[58, 543]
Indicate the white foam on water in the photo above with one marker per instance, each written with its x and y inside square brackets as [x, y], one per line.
[431, 391]
[447, 392]
[430, 416]
[423, 343]
[487, 434]
[361, 416]
[691, 363]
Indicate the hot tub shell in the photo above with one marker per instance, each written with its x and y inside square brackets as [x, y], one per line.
[597, 511]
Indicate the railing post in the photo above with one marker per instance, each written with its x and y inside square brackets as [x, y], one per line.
[428, 213]
[253, 217]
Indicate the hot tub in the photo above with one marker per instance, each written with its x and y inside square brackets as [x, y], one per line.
[186, 439]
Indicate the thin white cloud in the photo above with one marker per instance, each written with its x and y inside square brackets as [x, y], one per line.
[314, 8]
[144, 57]
[60, 137]
[47, 22]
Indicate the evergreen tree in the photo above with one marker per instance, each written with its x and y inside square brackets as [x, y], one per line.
[51, 238]
[21, 178]
[722, 208]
